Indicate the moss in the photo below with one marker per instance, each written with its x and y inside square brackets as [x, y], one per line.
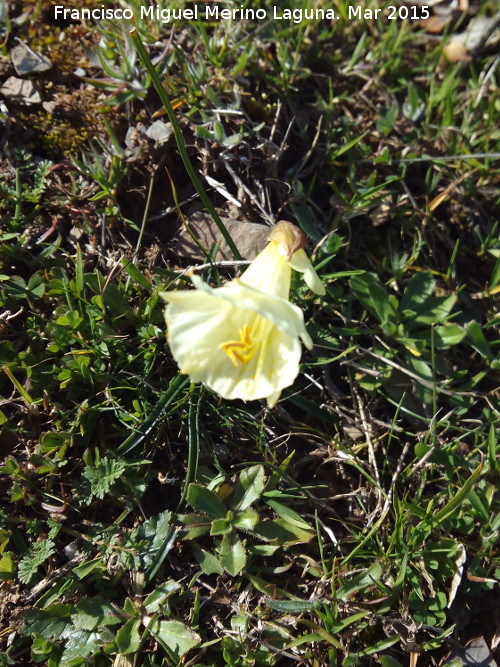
[76, 118]
[53, 140]
[62, 137]
[72, 112]
[65, 47]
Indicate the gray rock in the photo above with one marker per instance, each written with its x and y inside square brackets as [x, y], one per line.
[475, 654]
[159, 131]
[27, 61]
[50, 107]
[20, 91]
[249, 237]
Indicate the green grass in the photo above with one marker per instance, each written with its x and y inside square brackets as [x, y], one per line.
[146, 521]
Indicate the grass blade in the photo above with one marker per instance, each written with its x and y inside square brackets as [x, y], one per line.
[137, 437]
[179, 140]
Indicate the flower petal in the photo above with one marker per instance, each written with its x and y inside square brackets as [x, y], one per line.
[284, 315]
[269, 272]
[197, 324]
[201, 320]
[301, 262]
[271, 370]
[243, 339]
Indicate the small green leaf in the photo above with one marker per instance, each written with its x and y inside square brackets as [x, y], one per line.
[128, 638]
[374, 297]
[420, 287]
[283, 531]
[263, 550]
[495, 276]
[221, 526]
[85, 569]
[439, 557]
[343, 148]
[135, 274]
[387, 661]
[195, 525]
[31, 561]
[438, 518]
[305, 639]
[307, 220]
[249, 487]
[80, 644]
[387, 119]
[492, 449]
[155, 599]
[287, 513]
[175, 636]
[478, 504]
[24, 394]
[115, 300]
[323, 337]
[421, 368]
[208, 562]
[430, 611]
[46, 623]
[36, 286]
[91, 613]
[3, 417]
[159, 536]
[15, 287]
[79, 282]
[360, 581]
[102, 476]
[294, 606]
[265, 587]
[232, 554]
[204, 500]
[435, 309]
[332, 244]
[478, 341]
[324, 634]
[382, 645]
[40, 650]
[447, 335]
[246, 520]
[346, 622]
[129, 608]
[7, 567]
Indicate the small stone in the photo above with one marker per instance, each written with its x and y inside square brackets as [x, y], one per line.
[75, 234]
[20, 91]
[131, 137]
[49, 106]
[480, 31]
[159, 131]
[27, 61]
[475, 654]
[249, 237]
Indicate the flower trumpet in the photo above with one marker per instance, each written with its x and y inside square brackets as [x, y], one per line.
[243, 339]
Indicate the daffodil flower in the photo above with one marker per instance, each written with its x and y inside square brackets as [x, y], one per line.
[243, 339]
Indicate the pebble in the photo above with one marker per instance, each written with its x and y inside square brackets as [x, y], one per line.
[249, 237]
[159, 131]
[20, 91]
[27, 61]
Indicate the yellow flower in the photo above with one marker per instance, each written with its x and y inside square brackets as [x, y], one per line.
[243, 339]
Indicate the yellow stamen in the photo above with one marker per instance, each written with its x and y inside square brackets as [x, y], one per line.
[240, 351]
